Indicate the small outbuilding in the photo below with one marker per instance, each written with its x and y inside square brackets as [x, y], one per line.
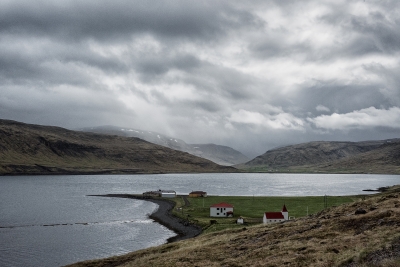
[274, 217]
[222, 209]
[160, 193]
[168, 193]
[198, 194]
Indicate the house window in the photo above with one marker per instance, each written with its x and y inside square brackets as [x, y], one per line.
[218, 213]
[217, 208]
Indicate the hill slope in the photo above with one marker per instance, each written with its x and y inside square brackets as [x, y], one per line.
[34, 149]
[221, 155]
[363, 233]
[351, 157]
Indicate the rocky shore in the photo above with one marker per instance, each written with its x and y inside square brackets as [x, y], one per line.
[163, 215]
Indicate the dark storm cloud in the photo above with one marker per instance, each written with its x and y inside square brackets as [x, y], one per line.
[52, 62]
[384, 32]
[373, 32]
[253, 75]
[339, 98]
[151, 66]
[391, 85]
[119, 19]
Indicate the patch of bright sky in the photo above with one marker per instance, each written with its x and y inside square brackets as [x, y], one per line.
[281, 120]
[114, 51]
[368, 117]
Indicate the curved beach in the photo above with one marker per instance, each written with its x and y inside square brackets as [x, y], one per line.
[163, 216]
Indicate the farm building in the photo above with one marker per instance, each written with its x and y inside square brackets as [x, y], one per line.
[273, 217]
[160, 193]
[198, 194]
[221, 210]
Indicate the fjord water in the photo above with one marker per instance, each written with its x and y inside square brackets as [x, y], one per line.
[52, 220]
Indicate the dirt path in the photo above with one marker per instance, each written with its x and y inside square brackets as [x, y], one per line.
[187, 203]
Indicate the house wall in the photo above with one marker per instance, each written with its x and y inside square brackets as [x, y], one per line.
[219, 212]
[273, 220]
[265, 220]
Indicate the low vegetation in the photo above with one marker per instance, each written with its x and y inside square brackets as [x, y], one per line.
[252, 208]
[363, 233]
[382, 157]
[34, 149]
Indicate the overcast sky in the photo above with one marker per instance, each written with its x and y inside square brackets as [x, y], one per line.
[252, 75]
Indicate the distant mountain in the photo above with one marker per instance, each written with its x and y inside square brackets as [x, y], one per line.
[35, 149]
[221, 155]
[335, 157]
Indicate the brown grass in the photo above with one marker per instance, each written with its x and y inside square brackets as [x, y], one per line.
[333, 237]
[34, 149]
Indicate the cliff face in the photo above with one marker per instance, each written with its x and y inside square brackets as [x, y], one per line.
[34, 149]
[363, 157]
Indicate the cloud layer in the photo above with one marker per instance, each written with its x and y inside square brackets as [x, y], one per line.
[252, 75]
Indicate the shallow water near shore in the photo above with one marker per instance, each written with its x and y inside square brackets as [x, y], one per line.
[51, 220]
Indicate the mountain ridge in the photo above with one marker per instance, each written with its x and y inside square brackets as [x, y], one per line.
[376, 156]
[222, 155]
[36, 149]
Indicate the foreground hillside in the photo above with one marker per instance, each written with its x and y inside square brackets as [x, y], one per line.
[363, 233]
[34, 149]
[221, 155]
[331, 157]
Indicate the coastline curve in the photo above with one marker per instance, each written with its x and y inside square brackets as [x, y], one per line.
[163, 215]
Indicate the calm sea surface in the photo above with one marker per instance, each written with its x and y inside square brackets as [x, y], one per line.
[51, 220]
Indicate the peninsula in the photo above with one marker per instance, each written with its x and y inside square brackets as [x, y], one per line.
[362, 233]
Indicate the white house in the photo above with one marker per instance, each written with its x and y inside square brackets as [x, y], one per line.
[221, 210]
[160, 193]
[273, 217]
[168, 193]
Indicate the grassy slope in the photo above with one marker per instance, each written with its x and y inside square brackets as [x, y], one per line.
[253, 208]
[330, 157]
[34, 149]
[333, 237]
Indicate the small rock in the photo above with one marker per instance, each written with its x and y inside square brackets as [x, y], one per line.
[335, 250]
[360, 211]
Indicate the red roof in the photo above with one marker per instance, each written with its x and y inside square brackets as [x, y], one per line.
[284, 208]
[274, 215]
[222, 205]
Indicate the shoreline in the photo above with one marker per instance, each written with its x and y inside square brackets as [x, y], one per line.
[163, 215]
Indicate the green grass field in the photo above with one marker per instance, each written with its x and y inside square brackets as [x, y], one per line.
[252, 208]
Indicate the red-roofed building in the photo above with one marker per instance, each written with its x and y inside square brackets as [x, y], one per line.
[198, 194]
[273, 217]
[222, 209]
